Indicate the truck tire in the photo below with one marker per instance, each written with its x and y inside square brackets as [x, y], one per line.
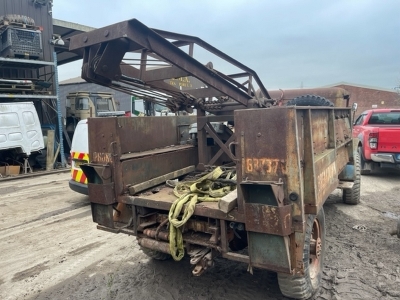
[306, 285]
[18, 19]
[309, 100]
[154, 254]
[363, 171]
[352, 196]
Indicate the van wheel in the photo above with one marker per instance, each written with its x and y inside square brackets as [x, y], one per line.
[305, 286]
[352, 196]
[309, 100]
[154, 254]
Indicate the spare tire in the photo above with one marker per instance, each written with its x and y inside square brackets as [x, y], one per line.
[18, 19]
[309, 100]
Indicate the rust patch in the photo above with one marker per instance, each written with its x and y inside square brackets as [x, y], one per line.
[268, 219]
[263, 152]
[326, 179]
[320, 134]
[101, 193]
[342, 157]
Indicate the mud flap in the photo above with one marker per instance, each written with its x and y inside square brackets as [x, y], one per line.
[102, 214]
[269, 251]
[349, 171]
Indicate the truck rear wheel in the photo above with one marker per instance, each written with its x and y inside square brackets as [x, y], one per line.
[352, 196]
[309, 100]
[154, 254]
[304, 286]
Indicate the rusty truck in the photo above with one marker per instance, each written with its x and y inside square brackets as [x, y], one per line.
[250, 183]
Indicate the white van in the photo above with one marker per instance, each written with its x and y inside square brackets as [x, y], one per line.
[79, 155]
[20, 128]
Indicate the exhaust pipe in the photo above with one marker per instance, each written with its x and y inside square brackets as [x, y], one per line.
[154, 245]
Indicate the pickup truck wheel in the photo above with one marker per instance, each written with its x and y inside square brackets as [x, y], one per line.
[352, 196]
[154, 254]
[309, 100]
[304, 286]
[363, 171]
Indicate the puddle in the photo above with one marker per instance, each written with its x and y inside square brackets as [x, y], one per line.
[391, 215]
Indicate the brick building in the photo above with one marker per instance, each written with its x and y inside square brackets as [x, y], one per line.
[368, 97]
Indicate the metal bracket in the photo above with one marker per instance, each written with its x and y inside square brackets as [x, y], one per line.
[202, 259]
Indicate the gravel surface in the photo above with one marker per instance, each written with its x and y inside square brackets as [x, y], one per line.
[51, 249]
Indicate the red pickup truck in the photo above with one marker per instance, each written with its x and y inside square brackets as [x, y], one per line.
[378, 131]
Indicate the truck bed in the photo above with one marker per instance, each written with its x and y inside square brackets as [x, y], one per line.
[165, 197]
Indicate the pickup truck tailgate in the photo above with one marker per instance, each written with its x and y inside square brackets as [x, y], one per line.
[389, 140]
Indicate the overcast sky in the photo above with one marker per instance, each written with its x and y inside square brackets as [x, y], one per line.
[290, 44]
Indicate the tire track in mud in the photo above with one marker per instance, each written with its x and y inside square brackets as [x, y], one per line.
[31, 225]
[16, 186]
[68, 255]
[21, 187]
[58, 241]
[362, 262]
[94, 264]
[28, 193]
[92, 273]
[130, 274]
[68, 265]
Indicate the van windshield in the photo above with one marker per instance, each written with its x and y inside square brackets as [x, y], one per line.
[104, 104]
[82, 104]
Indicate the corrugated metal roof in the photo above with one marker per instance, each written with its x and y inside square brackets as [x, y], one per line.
[74, 80]
[67, 29]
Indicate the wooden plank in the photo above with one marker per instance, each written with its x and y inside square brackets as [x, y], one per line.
[50, 150]
[228, 202]
[66, 136]
[345, 185]
[56, 155]
[159, 180]
[154, 151]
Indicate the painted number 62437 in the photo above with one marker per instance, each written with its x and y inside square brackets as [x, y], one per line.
[264, 165]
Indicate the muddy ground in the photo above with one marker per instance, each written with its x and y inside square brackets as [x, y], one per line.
[51, 249]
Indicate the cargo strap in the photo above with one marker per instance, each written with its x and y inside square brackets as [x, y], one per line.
[211, 188]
